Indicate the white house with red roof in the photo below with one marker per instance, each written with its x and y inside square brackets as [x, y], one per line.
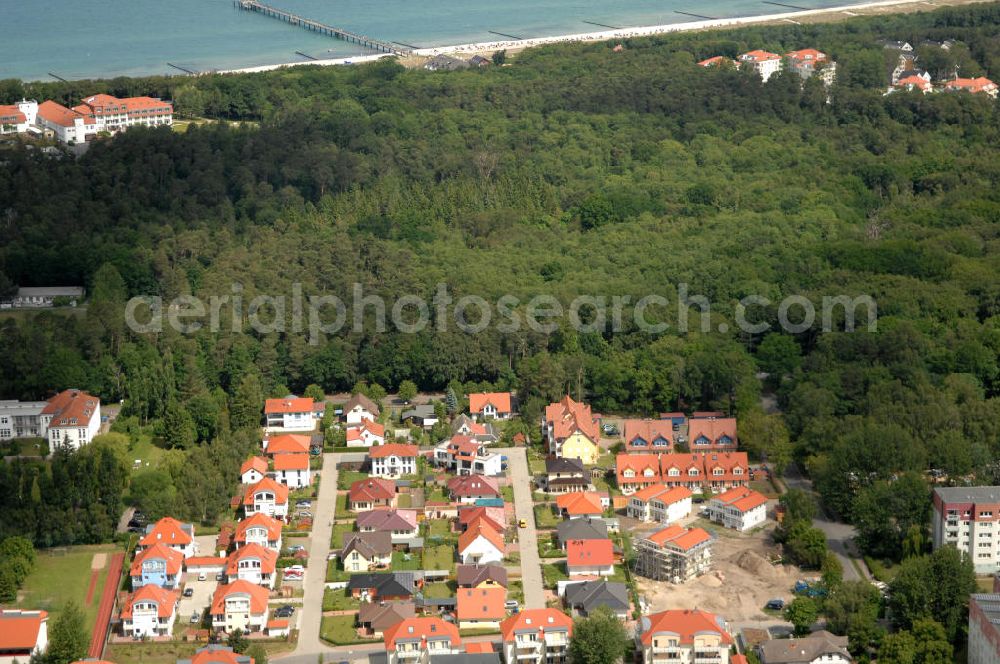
[979, 85]
[17, 118]
[765, 63]
[718, 61]
[418, 639]
[113, 114]
[253, 563]
[68, 125]
[913, 82]
[23, 633]
[590, 558]
[266, 497]
[715, 470]
[464, 455]
[536, 636]
[480, 544]
[71, 418]
[289, 413]
[260, 529]
[583, 504]
[253, 470]
[808, 61]
[393, 460]
[660, 503]
[360, 408]
[171, 533]
[292, 470]
[491, 405]
[286, 443]
[740, 508]
[470, 488]
[158, 565]
[149, 612]
[239, 605]
[366, 434]
[683, 635]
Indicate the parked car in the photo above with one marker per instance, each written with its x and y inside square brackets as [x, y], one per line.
[195, 618]
[296, 548]
[522, 523]
[220, 577]
[510, 604]
[202, 576]
[304, 503]
[775, 604]
[610, 429]
[189, 592]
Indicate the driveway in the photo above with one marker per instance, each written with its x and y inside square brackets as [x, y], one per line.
[531, 564]
[199, 601]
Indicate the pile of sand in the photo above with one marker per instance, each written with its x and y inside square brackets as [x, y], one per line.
[756, 564]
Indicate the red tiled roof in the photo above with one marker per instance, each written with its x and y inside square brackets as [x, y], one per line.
[280, 491]
[71, 408]
[663, 493]
[480, 527]
[12, 114]
[259, 520]
[254, 463]
[492, 515]
[288, 405]
[288, 443]
[742, 498]
[19, 629]
[158, 551]
[568, 416]
[685, 624]
[277, 624]
[535, 620]
[580, 503]
[728, 462]
[478, 648]
[477, 486]
[137, 104]
[682, 538]
[980, 84]
[291, 462]
[481, 603]
[758, 55]
[422, 630]
[713, 429]
[165, 600]
[60, 115]
[268, 558]
[639, 464]
[167, 530]
[393, 449]
[204, 561]
[258, 596]
[714, 60]
[806, 55]
[649, 430]
[216, 656]
[590, 553]
[915, 81]
[372, 489]
[499, 400]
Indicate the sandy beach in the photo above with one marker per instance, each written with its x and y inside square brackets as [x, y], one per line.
[828, 14]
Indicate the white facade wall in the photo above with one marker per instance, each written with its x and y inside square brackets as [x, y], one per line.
[669, 513]
[146, 621]
[74, 436]
[481, 551]
[294, 479]
[393, 466]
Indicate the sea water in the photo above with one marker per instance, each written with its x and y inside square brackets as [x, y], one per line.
[76, 39]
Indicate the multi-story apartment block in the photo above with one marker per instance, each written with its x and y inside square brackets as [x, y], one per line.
[674, 554]
[683, 637]
[967, 518]
[741, 508]
[417, 640]
[984, 627]
[536, 636]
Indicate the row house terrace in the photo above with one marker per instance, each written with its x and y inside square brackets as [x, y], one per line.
[696, 472]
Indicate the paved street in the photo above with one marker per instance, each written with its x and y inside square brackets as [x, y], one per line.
[531, 565]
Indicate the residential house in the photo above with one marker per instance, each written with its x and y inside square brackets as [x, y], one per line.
[416, 640]
[582, 504]
[572, 431]
[966, 518]
[470, 488]
[494, 516]
[895, 45]
[371, 493]
[387, 586]
[715, 470]
[376, 617]
[660, 503]
[21, 419]
[684, 636]
[586, 596]
[766, 64]
[393, 460]
[172, 533]
[808, 61]
[718, 61]
[422, 416]
[648, 436]
[69, 126]
[35, 297]
[638, 471]
[360, 408]
[536, 636]
[366, 551]
[481, 576]
[480, 544]
[289, 413]
[979, 85]
[400, 524]
[71, 419]
[292, 470]
[820, 647]
[18, 118]
[23, 633]
[445, 63]
[253, 470]
[286, 443]
[158, 565]
[366, 434]
[481, 432]
[239, 605]
[590, 558]
[711, 434]
[984, 628]
[261, 529]
[491, 405]
[741, 508]
[913, 83]
[253, 563]
[463, 455]
[674, 554]
[480, 61]
[566, 475]
[149, 612]
[726, 470]
[267, 497]
[112, 114]
[480, 608]
[584, 529]
[215, 654]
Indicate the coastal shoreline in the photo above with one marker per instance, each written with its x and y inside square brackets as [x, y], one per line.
[793, 17]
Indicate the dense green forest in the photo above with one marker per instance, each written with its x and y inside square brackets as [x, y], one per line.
[575, 170]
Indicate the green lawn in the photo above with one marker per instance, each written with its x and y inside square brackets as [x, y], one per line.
[438, 528]
[337, 536]
[340, 630]
[57, 579]
[441, 556]
[547, 547]
[435, 494]
[335, 572]
[515, 591]
[341, 510]
[536, 464]
[148, 454]
[553, 573]
[339, 600]
[345, 478]
[440, 590]
[507, 492]
[405, 561]
[27, 447]
[150, 653]
[545, 517]
[404, 500]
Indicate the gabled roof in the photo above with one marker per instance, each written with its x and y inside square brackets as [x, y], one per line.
[258, 596]
[267, 557]
[58, 114]
[170, 531]
[638, 464]
[280, 491]
[671, 495]
[481, 603]
[159, 551]
[804, 650]
[71, 408]
[386, 584]
[289, 404]
[680, 538]
[291, 462]
[288, 443]
[19, 629]
[479, 528]
[493, 516]
[582, 529]
[915, 81]
[648, 431]
[382, 616]
[580, 503]
[727, 461]
[685, 624]
[806, 55]
[499, 400]
[741, 498]
[477, 486]
[716, 60]
[589, 595]
[421, 630]
[536, 621]
[568, 416]
[565, 465]
[473, 575]
[254, 463]
[372, 489]
[259, 520]
[13, 113]
[711, 428]
[216, 654]
[165, 600]
[758, 55]
[388, 520]
[979, 84]
[590, 553]
[393, 449]
[369, 545]
[362, 401]
[354, 432]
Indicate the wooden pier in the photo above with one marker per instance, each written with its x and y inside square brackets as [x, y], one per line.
[322, 28]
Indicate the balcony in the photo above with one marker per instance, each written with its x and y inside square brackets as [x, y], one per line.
[408, 654]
